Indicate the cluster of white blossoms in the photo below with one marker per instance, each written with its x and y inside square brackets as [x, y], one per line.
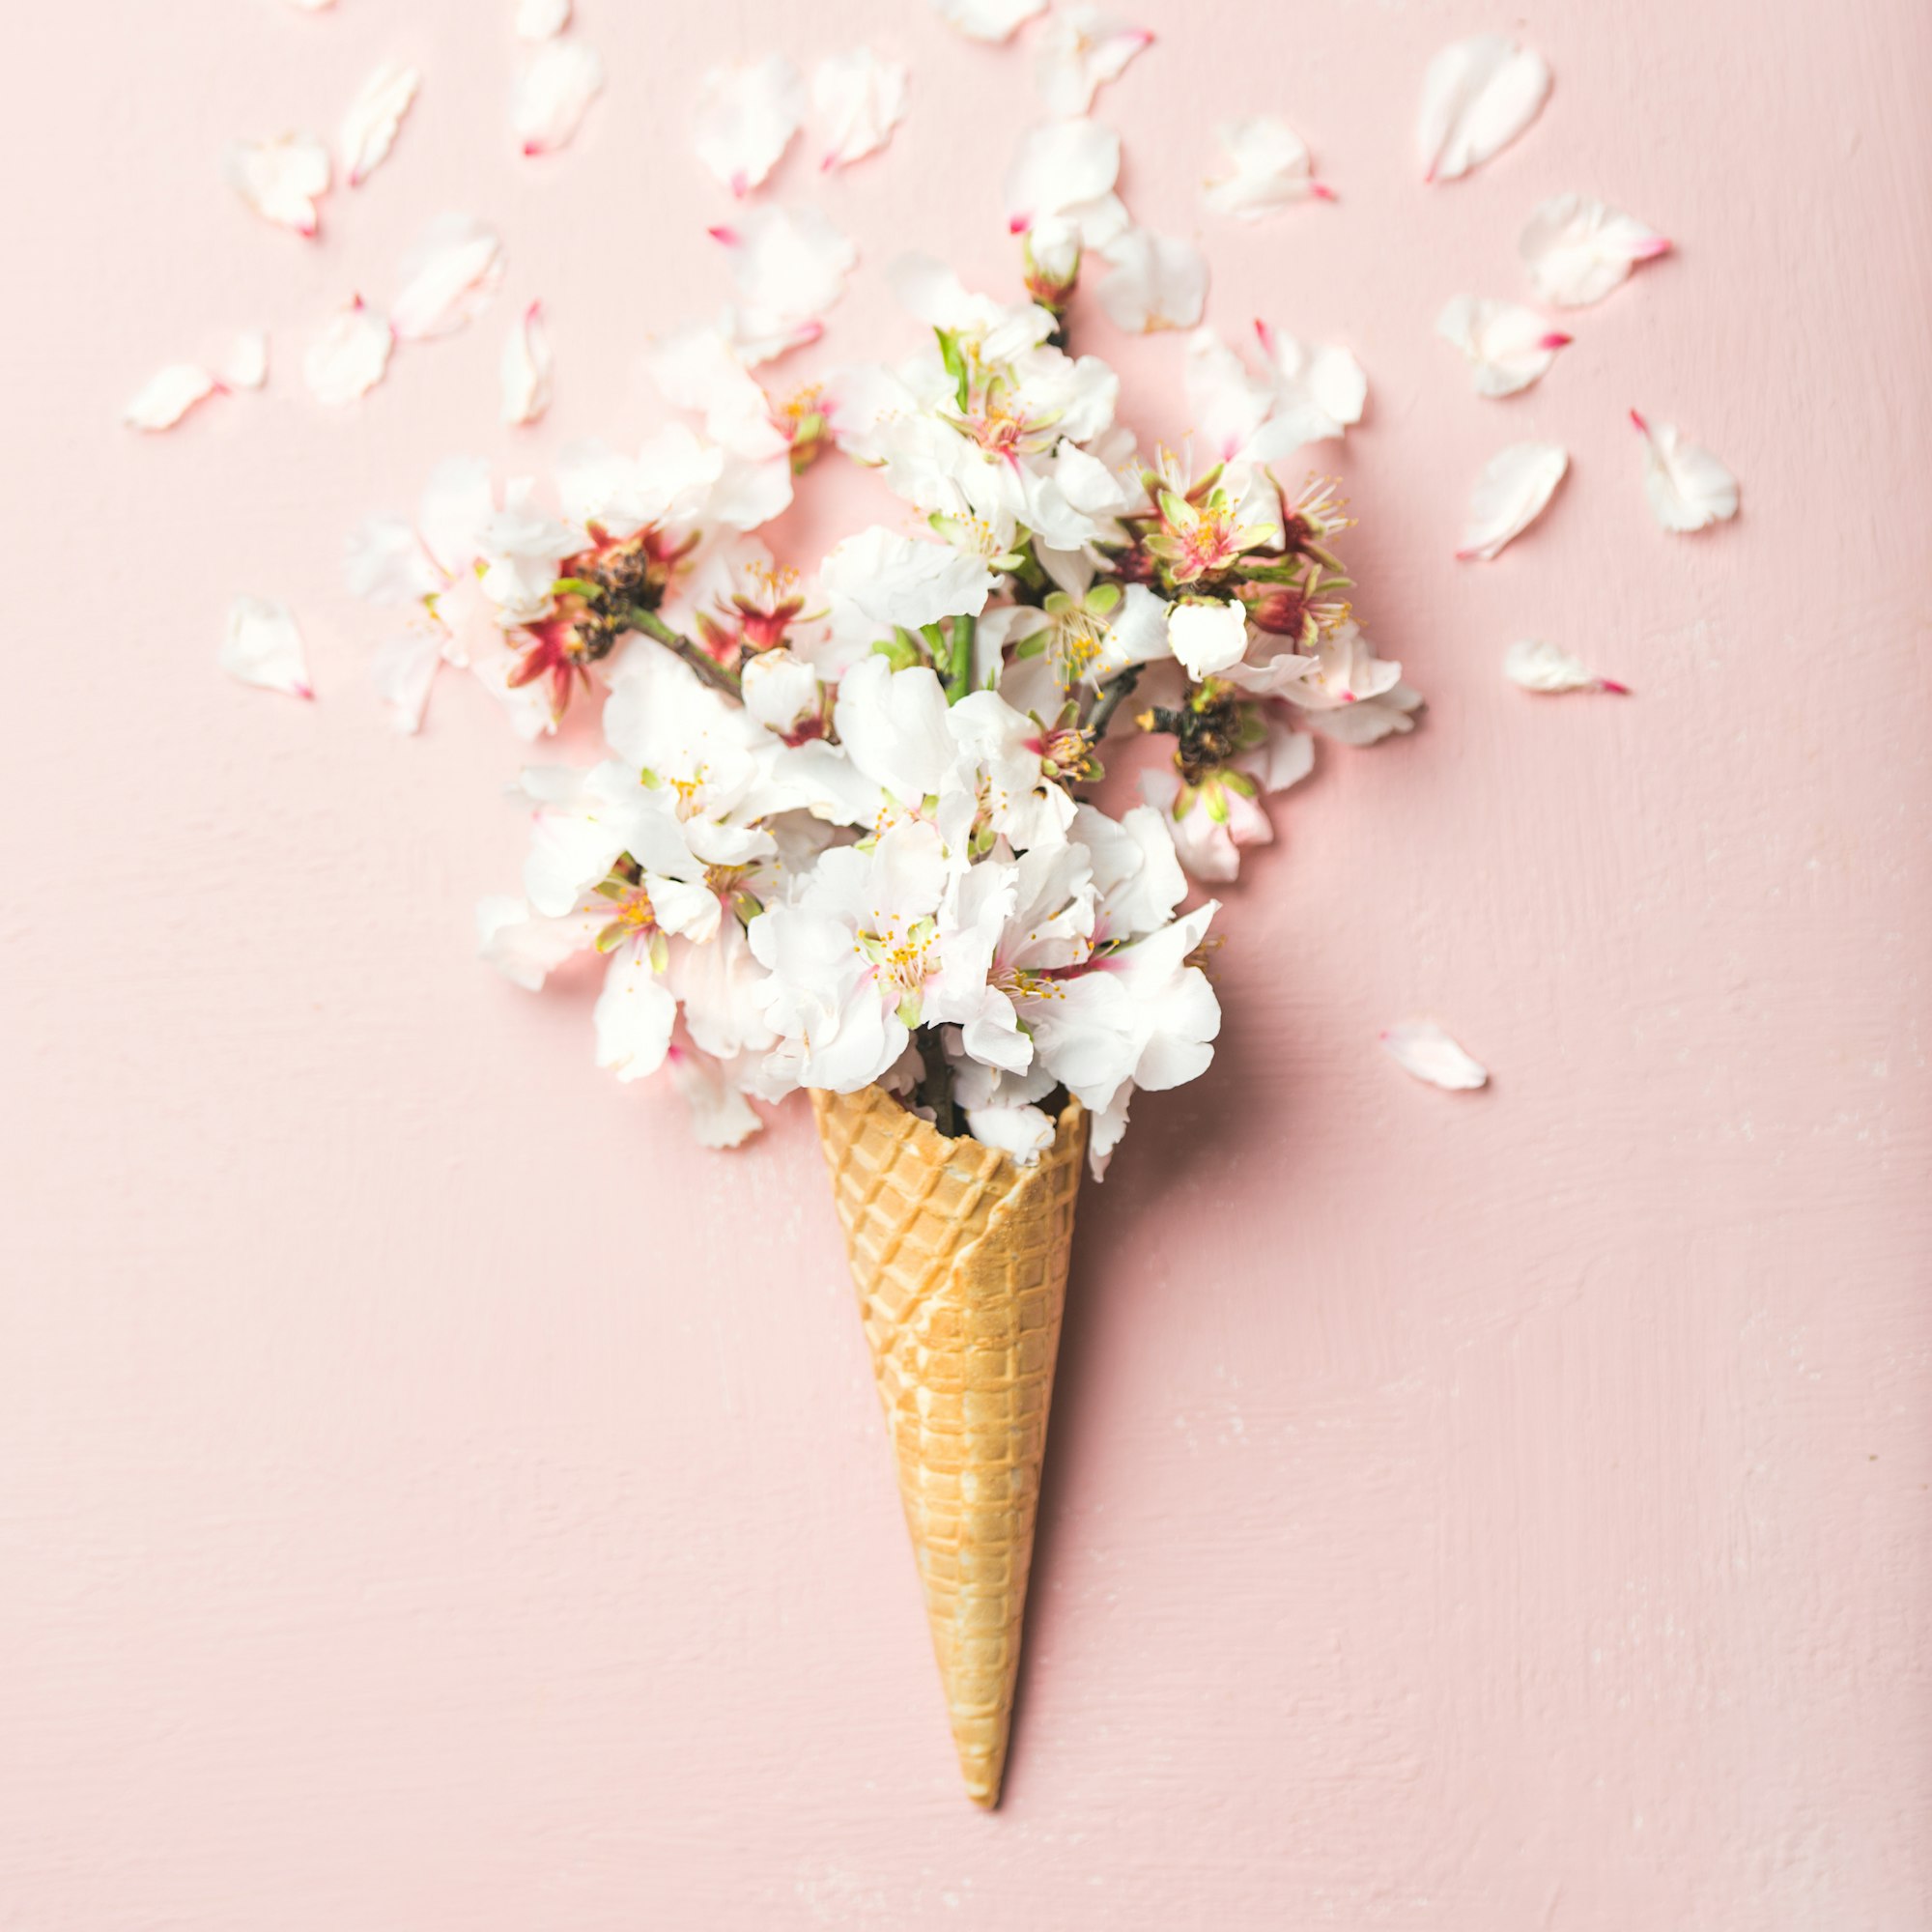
[844, 834]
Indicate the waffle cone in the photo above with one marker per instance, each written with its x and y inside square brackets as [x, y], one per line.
[960, 1261]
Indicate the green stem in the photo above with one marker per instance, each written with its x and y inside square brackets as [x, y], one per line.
[713, 674]
[960, 671]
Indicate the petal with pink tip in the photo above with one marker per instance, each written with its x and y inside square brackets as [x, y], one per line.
[1153, 283]
[1687, 487]
[1513, 491]
[1078, 51]
[526, 368]
[1422, 1048]
[553, 95]
[348, 356]
[1062, 169]
[264, 648]
[369, 127]
[745, 119]
[1578, 249]
[280, 179]
[1269, 169]
[987, 19]
[450, 278]
[790, 265]
[859, 99]
[1508, 345]
[1477, 96]
[721, 1116]
[1534, 665]
[167, 396]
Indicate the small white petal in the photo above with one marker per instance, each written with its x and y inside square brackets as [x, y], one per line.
[527, 368]
[280, 179]
[450, 278]
[167, 395]
[987, 19]
[790, 265]
[1508, 345]
[1510, 494]
[1269, 169]
[1061, 169]
[348, 357]
[744, 120]
[1477, 96]
[859, 99]
[1536, 666]
[1687, 487]
[553, 93]
[245, 366]
[1422, 1048]
[1152, 282]
[263, 647]
[369, 127]
[1078, 51]
[541, 19]
[1578, 249]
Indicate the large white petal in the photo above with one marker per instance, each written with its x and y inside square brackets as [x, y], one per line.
[1510, 494]
[1269, 169]
[280, 179]
[541, 19]
[1536, 666]
[745, 119]
[525, 367]
[1422, 1048]
[1154, 281]
[450, 278]
[1579, 249]
[634, 1016]
[369, 127]
[1061, 167]
[859, 99]
[1477, 96]
[1687, 487]
[721, 1116]
[167, 395]
[987, 19]
[263, 647]
[348, 356]
[790, 265]
[1508, 345]
[1077, 52]
[553, 95]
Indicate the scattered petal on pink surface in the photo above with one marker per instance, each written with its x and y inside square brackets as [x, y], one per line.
[369, 127]
[1153, 283]
[1270, 168]
[1508, 345]
[1477, 96]
[348, 357]
[745, 119]
[721, 1116]
[1422, 1048]
[553, 93]
[859, 99]
[245, 366]
[1535, 666]
[280, 179]
[311, 6]
[1078, 51]
[1061, 167]
[1687, 487]
[1513, 491]
[790, 265]
[450, 278]
[403, 671]
[1319, 388]
[527, 367]
[1578, 249]
[264, 648]
[541, 19]
[167, 396]
[987, 19]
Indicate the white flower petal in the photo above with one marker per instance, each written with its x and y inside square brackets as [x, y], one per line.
[1422, 1048]
[859, 99]
[745, 119]
[1269, 169]
[1510, 494]
[403, 671]
[348, 357]
[1536, 666]
[167, 395]
[721, 1116]
[790, 265]
[450, 278]
[987, 19]
[1578, 249]
[280, 179]
[1079, 51]
[1061, 168]
[1320, 390]
[541, 19]
[553, 95]
[311, 6]
[245, 366]
[887, 580]
[1208, 637]
[263, 647]
[1477, 96]
[1508, 345]
[1152, 282]
[526, 368]
[1687, 487]
[369, 127]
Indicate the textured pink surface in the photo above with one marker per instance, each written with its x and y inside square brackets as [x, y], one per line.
[435, 1494]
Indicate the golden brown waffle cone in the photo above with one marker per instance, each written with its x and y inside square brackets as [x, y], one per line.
[960, 1261]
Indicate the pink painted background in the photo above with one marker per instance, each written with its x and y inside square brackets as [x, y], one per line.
[434, 1494]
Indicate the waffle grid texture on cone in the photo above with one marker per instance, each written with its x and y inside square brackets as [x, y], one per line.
[960, 1261]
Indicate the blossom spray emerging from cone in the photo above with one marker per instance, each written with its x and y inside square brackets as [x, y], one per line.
[960, 1261]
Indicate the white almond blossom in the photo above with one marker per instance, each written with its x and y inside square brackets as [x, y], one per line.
[1351, 694]
[1687, 487]
[281, 180]
[1477, 96]
[1508, 346]
[858, 99]
[745, 117]
[1269, 169]
[1078, 51]
[1513, 491]
[1578, 249]
[263, 647]
[553, 93]
[369, 127]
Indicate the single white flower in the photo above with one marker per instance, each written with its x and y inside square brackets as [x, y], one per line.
[1477, 96]
[1687, 487]
[745, 119]
[1508, 346]
[1578, 249]
[1513, 491]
